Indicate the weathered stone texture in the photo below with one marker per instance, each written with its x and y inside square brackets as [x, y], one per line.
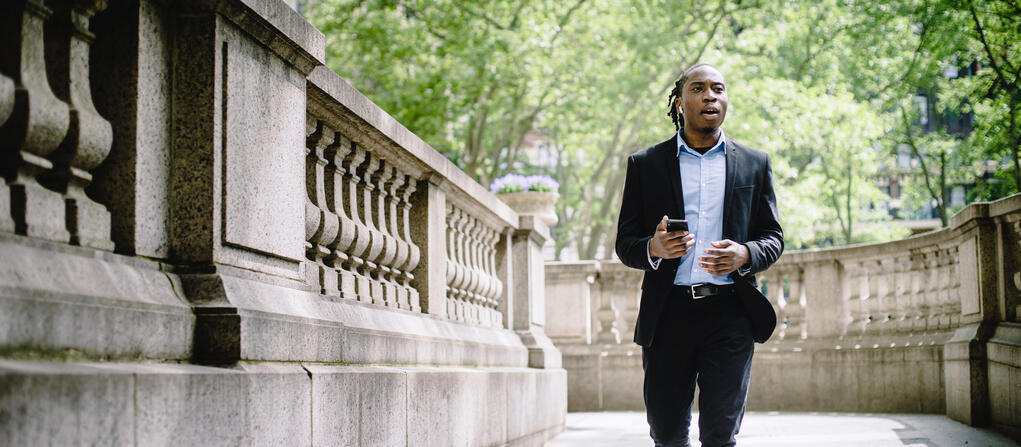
[267, 221]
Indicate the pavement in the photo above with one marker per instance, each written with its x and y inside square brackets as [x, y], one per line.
[774, 429]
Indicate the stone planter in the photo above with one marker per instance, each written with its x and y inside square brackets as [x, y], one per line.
[536, 203]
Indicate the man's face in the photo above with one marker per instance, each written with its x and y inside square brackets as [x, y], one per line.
[703, 99]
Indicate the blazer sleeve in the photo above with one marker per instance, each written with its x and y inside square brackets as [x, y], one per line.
[632, 240]
[765, 243]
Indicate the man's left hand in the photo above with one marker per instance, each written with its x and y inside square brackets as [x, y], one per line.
[726, 257]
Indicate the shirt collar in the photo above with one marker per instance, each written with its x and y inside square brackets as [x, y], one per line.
[682, 146]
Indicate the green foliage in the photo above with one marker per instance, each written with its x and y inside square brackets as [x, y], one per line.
[826, 87]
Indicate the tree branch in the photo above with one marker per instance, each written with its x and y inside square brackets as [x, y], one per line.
[985, 46]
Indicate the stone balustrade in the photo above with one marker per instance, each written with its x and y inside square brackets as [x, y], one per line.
[205, 218]
[926, 324]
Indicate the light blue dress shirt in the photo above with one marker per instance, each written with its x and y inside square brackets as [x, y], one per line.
[703, 180]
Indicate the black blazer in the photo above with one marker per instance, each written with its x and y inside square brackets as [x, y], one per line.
[653, 188]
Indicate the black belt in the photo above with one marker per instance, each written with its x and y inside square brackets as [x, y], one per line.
[699, 291]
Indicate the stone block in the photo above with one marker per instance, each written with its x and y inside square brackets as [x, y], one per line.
[437, 398]
[1004, 350]
[521, 389]
[584, 392]
[264, 171]
[359, 406]
[622, 381]
[58, 296]
[278, 404]
[570, 303]
[65, 404]
[189, 405]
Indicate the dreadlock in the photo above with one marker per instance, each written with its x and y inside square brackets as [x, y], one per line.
[675, 94]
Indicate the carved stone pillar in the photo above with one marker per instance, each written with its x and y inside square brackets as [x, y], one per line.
[325, 233]
[430, 233]
[414, 252]
[340, 248]
[87, 142]
[356, 260]
[609, 332]
[35, 127]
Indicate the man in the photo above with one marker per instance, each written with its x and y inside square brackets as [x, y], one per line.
[701, 308]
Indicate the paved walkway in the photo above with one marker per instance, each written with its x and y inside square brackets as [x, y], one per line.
[760, 429]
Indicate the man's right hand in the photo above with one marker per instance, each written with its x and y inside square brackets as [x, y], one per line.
[670, 245]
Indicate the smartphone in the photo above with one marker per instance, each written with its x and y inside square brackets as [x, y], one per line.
[676, 225]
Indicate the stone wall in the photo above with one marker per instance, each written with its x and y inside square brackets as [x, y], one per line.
[928, 324]
[207, 237]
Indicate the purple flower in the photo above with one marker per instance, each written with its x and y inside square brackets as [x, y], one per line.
[518, 183]
[542, 183]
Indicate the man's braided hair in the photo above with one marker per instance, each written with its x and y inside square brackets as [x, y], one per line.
[675, 94]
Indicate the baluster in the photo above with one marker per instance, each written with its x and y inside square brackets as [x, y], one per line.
[388, 291]
[953, 289]
[320, 224]
[478, 275]
[497, 290]
[871, 299]
[35, 126]
[372, 254]
[859, 292]
[930, 307]
[774, 292]
[848, 296]
[607, 314]
[917, 308]
[414, 252]
[944, 289]
[884, 297]
[401, 247]
[87, 142]
[483, 276]
[630, 295]
[356, 260]
[455, 271]
[936, 290]
[313, 215]
[461, 278]
[795, 306]
[341, 255]
[901, 297]
[471, 282]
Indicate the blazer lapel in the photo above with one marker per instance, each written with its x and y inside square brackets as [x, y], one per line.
[731, 157]
[673, 167]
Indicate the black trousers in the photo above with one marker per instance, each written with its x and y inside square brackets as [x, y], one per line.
[708, 342]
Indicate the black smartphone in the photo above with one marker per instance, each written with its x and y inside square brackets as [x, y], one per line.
[676, 225]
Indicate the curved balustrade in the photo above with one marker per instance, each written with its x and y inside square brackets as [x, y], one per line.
[926, 324]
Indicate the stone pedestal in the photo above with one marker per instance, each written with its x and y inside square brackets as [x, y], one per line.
[529, 293]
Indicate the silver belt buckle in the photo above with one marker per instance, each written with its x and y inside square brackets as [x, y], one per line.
[693, 295]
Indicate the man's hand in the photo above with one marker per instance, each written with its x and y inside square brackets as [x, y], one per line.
[670, 245]
[727, 257]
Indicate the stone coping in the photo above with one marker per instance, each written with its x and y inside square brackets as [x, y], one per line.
[959, 223]
[439, 170]
[276, 25]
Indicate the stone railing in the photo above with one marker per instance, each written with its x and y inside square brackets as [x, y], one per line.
[925, 324]
[191, 196]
